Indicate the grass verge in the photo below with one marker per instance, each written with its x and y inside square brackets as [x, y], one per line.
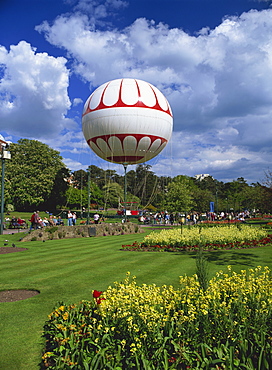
[68, 270]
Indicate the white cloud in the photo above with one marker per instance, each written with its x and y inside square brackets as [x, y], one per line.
[34, 98]
[71, 164]
[71, 141]
[225, 72]
[218, 82]
[214, 153]
[77, 101]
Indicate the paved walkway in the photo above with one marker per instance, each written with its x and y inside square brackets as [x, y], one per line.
[14, 231]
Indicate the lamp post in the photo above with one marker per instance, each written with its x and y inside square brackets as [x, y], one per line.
[216, 203]
[89, 194]
[4, 155]
[125, 192]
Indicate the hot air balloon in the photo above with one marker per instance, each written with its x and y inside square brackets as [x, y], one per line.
[127, 121]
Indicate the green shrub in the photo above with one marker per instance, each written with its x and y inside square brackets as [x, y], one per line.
[10, 208]
[51, 229]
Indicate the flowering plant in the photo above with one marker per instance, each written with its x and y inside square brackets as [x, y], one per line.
[217, 237]
[226, 326]
[96, 296]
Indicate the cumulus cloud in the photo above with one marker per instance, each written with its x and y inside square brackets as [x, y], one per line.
[77, 101]
[73, 165]
[204, 153]
[224, 73]
[217, 81]
[33, 89]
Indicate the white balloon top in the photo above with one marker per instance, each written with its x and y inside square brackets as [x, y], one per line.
[127, 92]
[127, 121]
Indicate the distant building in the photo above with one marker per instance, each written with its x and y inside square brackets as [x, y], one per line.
[2, 141]
[202, 176]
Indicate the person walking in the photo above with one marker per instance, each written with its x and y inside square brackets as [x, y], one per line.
[34, 220]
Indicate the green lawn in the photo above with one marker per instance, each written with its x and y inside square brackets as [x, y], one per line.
[68, 270]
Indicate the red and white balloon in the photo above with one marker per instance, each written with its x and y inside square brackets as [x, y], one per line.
[127, 121]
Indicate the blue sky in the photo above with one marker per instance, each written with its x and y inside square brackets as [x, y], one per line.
[212, 59]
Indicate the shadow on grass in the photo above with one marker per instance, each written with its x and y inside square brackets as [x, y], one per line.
[224, 258]
[221, 258]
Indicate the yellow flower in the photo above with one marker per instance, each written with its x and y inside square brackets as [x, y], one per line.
[65, 315]
[47, 355]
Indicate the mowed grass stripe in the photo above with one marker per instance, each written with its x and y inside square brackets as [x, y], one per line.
[70, 269]
[160, 268]
[57, 255]
[105, 267]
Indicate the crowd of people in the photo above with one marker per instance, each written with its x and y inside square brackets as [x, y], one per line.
[145, 217]
[157, 218]
[190, 218]
[15, 222]
[37, 222]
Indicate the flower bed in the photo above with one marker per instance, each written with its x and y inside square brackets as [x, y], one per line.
[221, 222]
[228, 326]
[218, 237]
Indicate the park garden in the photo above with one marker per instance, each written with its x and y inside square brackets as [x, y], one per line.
[173, 297]
[142, 301]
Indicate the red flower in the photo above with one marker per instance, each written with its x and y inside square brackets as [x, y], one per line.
[96, 294]
[99, 300]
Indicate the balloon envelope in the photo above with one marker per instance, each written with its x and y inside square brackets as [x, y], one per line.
[127, 121]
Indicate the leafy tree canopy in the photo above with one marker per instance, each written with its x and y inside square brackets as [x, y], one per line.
[31, 173]
[36, 177]
[179, 196]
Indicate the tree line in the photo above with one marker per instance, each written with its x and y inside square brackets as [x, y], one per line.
[37, 178]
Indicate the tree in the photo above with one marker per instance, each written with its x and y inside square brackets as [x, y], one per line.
[209, 183]
[142, 183]
[202, 199]
[160, 190]
[114, 195]
[33, 174]
[57, 197]
[78, 198]
[97, 175]
[260, 198]
[179, 196]
[97, 196]
[80, 179]
[268, 179]
[131, 181]
[236, 194]
[111, 175]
